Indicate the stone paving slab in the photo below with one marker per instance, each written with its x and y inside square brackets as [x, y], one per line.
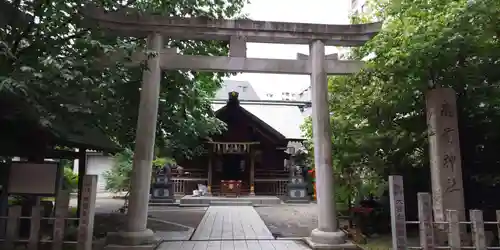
[232, 223]
[234, 245]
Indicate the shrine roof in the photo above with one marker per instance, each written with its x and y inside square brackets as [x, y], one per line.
[20, 124]
[284, 118]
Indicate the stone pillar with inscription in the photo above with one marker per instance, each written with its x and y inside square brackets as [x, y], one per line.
[87, 201]
[398, 215]
[445, 159]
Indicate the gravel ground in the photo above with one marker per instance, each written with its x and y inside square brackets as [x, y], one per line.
[297, 220]
[114, 222]
[160, 220]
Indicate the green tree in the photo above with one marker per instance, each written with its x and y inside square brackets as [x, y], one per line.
[51, 60]
[70, 178]
[379, 121]
[446, 43]
[118, 177]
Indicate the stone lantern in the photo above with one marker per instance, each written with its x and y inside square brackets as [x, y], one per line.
[297, 187]
[162, 187]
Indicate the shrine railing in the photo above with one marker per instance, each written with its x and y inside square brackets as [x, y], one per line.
[184, 185]
[271, 186]
[190, 173]
[60, 223]
[270, 173]
[448, 234]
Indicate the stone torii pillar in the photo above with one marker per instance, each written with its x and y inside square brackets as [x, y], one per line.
[327, 235]
[137, 232]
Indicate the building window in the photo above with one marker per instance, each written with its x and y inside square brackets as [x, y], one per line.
[243, 88]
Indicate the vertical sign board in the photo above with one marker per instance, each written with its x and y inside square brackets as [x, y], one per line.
[444, 147]
[61, 212]
[425, 219]
[86, 225]
[398, 218]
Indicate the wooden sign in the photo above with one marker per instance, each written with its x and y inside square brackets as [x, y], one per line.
[232, 147]
[86, 225]
[398, 218]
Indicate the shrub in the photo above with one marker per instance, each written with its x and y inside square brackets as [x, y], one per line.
[118, 177]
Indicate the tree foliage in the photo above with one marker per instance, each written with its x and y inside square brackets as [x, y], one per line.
[53, 62]
[378, 115]
[118, 177]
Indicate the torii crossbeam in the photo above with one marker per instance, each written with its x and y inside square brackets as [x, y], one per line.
[129, 22]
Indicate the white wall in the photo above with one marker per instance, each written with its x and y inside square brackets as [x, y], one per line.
[97, 164]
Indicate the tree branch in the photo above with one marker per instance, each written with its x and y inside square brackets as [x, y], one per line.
[31, 25]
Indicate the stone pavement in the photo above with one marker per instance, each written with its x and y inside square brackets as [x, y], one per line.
[232, 223]
[234, 245]
[232, 227]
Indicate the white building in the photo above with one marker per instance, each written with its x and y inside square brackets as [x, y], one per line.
[305, 95]
[302, 96]
[282, 96]
[97, 164]
[358, 6]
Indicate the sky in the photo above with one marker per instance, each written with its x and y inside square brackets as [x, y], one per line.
[311, 11]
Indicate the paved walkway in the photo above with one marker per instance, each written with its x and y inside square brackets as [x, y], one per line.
[232, 223]
[233, 245]
[229, 228]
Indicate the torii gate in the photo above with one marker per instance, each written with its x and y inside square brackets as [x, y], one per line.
[238, 33]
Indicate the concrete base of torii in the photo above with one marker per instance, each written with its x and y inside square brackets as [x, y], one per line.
[328, 240]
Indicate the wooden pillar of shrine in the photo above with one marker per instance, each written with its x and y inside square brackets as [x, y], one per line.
[252, 172]
[210, 169]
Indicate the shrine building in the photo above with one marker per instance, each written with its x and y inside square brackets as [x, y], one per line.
[249, 158]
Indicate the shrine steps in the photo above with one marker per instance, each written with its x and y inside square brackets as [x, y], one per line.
[230, 201]
[163, 204]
